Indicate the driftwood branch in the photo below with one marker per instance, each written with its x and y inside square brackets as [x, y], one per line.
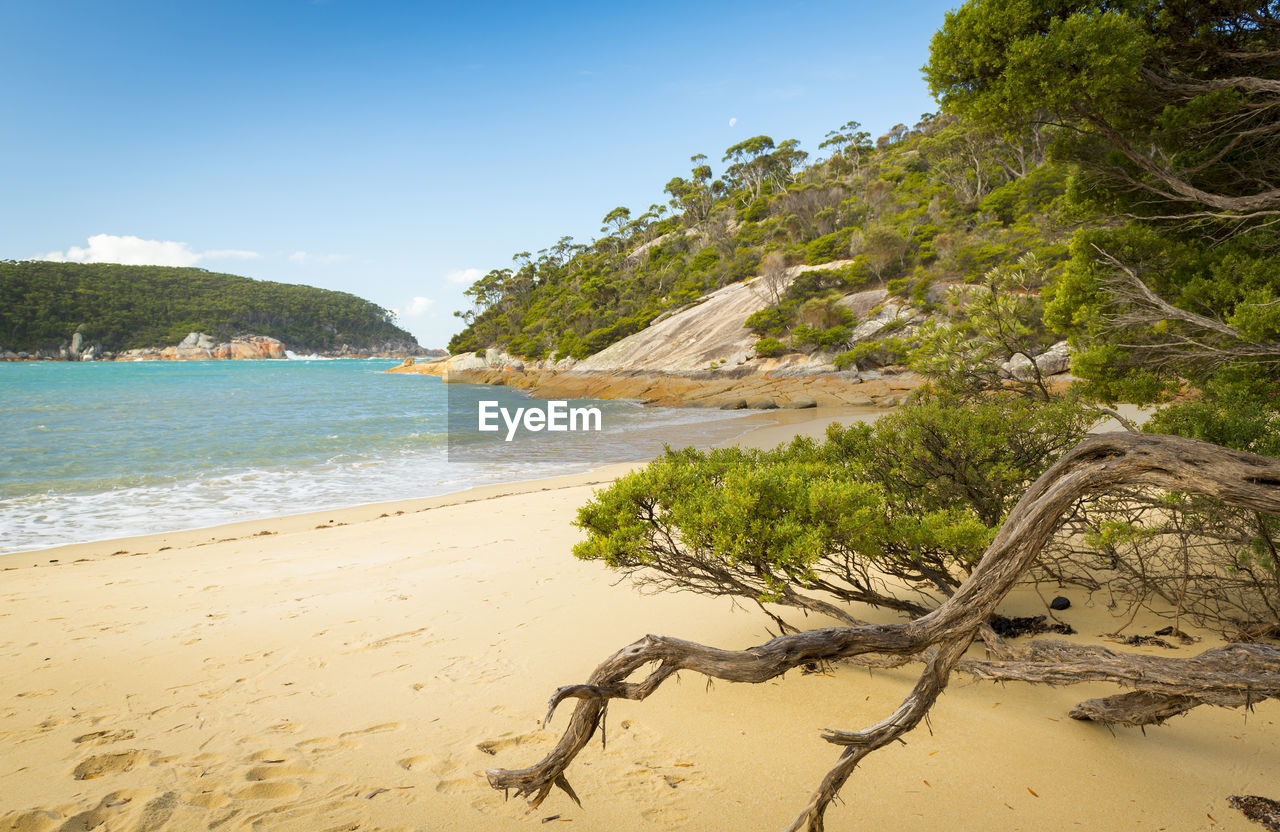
[1233, 675]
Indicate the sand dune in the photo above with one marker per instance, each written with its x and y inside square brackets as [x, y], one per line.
[358, 669]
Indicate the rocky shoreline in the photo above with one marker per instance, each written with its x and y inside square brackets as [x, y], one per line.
[197, 346]
[728, 389]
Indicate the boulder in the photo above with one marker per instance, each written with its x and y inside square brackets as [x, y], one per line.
[464, 362]
[735, 404]
[860, 304]
[1057, 359]
[1018, 367]
[762, 404]
[801, 403]
[196, 340]
[875, 325]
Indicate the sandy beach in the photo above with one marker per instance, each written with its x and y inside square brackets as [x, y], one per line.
[360, 668]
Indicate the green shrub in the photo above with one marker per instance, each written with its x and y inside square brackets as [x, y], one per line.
[768, 321]
[916, 496]
[821, 339]
[833, 246]
[770, 348]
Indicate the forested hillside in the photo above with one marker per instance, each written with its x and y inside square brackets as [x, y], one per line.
[42, 304]
[1109, 172]
[1105, 171]
[923, 205]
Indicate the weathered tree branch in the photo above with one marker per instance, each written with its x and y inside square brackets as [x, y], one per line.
[1203, 341]
[1237, 674]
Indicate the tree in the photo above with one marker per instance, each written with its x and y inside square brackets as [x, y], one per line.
[618, 217]
[751, 163]
[1235, 675]
[774, 278]
[849, 140]
[1171, 105]
[1170, 109]
[882, 248]
[991, 324]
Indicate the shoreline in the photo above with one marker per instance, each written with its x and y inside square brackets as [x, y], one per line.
[765, 429]
[723, 389]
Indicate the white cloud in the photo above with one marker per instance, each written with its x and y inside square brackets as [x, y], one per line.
[733, 121]
[135, 251]
[416, 308]
[464, 276]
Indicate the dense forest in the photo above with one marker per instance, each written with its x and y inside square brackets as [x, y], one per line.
[42, 304]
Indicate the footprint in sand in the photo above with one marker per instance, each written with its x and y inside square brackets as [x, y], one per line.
[269, 790]
[104, 764]
[510, 740]
[383, 728]
[411, 635]
[460, 785]
[208, 800]
[277, 771]
[38, 820]
[431, 763]
[322, 745]
[105, 737]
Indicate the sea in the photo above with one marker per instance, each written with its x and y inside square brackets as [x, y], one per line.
[98, 450]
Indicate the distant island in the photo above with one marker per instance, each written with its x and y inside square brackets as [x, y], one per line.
[85, 311]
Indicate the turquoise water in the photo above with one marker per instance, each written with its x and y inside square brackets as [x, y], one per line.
[90, 451]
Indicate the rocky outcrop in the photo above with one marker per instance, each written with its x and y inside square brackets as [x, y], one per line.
[198, 346]
[693, 339]
[731, 388]
[702, 355]
[383, 349]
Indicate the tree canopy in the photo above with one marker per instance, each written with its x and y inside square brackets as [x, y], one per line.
[42, 304]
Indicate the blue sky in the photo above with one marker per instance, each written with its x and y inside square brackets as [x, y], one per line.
[389, 148]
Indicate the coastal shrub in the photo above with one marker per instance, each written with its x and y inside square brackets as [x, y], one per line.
[768, 321]
[704, 260]
[757, 210]
[745, 264]
[876, 353]
[988, 324]
[820, 339]
[770, 348]
[916, 496]
[828, 247]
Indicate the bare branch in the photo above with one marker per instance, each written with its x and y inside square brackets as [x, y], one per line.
[1097, 465]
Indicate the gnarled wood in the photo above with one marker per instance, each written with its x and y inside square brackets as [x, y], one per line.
[1223, 676]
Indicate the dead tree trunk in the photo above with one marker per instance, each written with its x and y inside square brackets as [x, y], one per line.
[1232, 675]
